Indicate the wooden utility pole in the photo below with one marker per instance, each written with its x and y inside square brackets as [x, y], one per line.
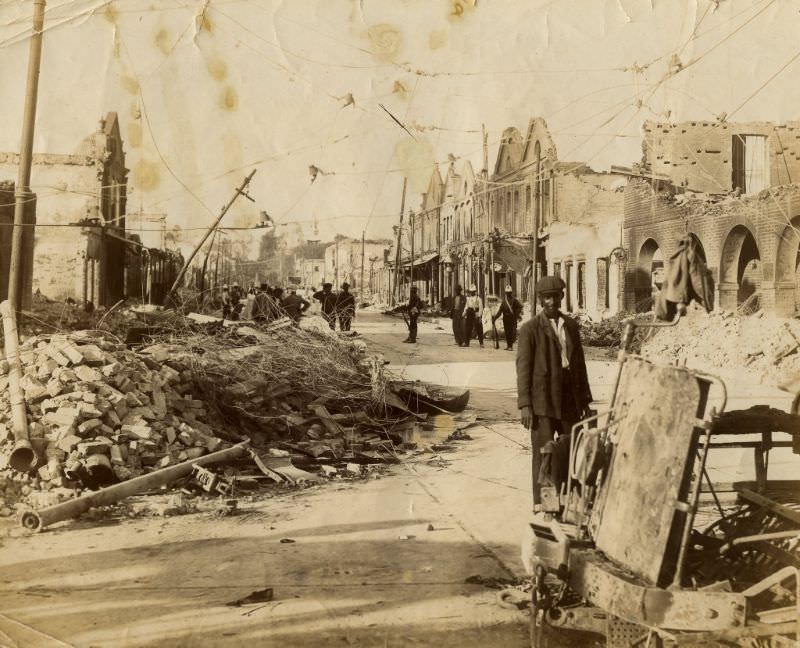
[205, 267]
[398, 251]
[361, 285]
[336, 266]
[216, 266]
[239, 192]
[535, 246]
[411, 274]
[22, 190]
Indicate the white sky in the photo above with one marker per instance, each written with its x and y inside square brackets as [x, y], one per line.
[258, 84]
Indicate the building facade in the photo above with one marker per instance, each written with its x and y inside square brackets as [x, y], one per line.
[348, 260]
[79, 247]
[312, 272]
[530, 216]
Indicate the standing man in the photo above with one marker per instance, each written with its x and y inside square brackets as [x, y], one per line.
[412, 308]
[511, 311]
[236, 301]
[295, 305]
[457, 315]
[473, 310]
[226, 302]
[552, 385]
[327, 301]
[345, 307]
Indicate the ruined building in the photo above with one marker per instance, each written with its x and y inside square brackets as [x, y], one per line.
[79, 249]
[732, 187]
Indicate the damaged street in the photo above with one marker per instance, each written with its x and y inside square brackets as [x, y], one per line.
[408, 553]
[414, 552]
[437, 323]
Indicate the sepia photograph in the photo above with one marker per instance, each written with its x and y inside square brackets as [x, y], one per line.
[400, 323]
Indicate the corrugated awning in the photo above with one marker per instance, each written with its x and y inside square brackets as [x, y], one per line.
[421, 260]
[511, 256]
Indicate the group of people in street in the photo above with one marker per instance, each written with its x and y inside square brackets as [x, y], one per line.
[269, 303]
[467, 315]
[335, 306]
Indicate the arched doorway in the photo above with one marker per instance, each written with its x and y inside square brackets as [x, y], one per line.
[649, 274]
[787, 269]
[739, 269]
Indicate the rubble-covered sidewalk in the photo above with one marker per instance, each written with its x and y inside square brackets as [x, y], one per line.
[307, 405]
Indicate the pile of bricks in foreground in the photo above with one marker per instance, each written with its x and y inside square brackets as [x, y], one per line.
[98, 413]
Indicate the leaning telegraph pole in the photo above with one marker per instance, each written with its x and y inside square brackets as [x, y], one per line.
[240, 191]
[398, 252]
[22, 190]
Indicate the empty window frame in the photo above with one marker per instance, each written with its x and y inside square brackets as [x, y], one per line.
[749, 163]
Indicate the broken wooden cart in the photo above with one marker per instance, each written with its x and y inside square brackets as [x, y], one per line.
[649, 550]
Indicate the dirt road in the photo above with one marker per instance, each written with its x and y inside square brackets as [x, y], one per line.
[364, 569]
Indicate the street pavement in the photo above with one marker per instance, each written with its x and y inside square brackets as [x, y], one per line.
[381, 562]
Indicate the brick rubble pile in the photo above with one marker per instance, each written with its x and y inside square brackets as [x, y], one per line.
[765, 346]
[99, 412]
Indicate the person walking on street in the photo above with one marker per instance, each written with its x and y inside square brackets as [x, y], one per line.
[413, 309]
[295, 305]
[552, 385]
[473, 309]
[457, 315]
[511, 312]
[345, 307]
[327, 301]
[226, 302]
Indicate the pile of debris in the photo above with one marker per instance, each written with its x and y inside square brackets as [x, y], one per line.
[608, 332]
[99, 412]
[48, 316]
[311, 405]
[765, 346]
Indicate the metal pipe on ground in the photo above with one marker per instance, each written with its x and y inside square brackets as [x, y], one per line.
[22, 458]
[37, 520]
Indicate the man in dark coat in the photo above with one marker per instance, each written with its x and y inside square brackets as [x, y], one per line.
[457, 315]
[236, 301]
[345, 307]
[295, 305]
[511, 312]
[413, 310]
[552, 384]
[328, 301]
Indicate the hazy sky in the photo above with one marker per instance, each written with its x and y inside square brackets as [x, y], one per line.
[207, 91]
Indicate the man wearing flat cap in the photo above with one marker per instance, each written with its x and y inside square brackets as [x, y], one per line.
[552, 385]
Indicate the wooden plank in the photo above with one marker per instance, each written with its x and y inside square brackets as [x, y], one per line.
[772, 505]
[656, 410]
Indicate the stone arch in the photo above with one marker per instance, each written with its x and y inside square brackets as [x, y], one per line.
[649, 262]
[739, 267]
[787, 269]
